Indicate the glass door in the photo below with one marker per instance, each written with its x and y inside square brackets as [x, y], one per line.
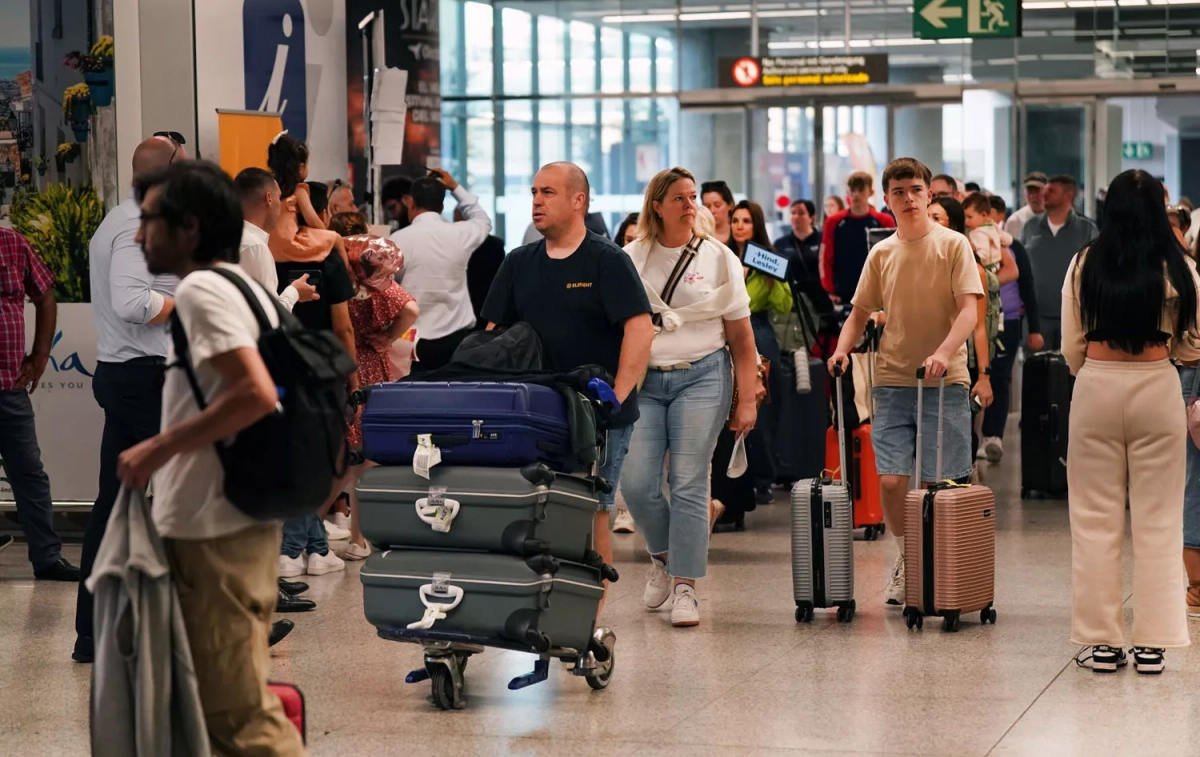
[1058, 137]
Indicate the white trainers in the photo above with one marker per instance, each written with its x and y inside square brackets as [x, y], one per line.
[685, 611]
[623, 523]
[658, 585]
[341, 520]
[334, 532]
[319, 565]
[357, 552]
[894, 595]
[992, 449]
[290, 567]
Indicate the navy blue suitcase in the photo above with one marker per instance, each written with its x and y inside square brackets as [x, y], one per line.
[473, 424]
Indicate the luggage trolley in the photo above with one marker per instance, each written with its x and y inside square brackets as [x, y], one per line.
[447, 652]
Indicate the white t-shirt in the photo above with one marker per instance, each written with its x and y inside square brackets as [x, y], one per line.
[713, 266]
[189, 491]
[1054, 227]
[255, 258]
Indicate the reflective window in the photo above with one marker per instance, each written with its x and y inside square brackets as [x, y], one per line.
[583, 58]
[640, 63]
[517, 28]
[612, 66]
[477, 32]
[551, 56]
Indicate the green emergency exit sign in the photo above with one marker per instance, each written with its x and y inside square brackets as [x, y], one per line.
[952, 19]
[1137, 150]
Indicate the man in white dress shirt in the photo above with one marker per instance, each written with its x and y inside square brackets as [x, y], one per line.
[436, 255]
[261, 206]
[130, 307]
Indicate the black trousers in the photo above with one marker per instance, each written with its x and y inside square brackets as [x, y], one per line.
[30, 484]
[995, 418]
[130, 394]
[436, 353]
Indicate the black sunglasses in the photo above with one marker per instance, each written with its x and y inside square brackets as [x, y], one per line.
[176, 139]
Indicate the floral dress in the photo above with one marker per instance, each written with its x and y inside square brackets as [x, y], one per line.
[372, 313]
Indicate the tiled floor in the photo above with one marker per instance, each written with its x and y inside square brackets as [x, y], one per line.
[748, 681]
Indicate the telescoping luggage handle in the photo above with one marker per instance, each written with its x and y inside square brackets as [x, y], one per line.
[841, 427]
[920, 417]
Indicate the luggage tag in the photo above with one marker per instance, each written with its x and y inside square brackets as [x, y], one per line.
[438, 511]
[435, 611]
[426, 456]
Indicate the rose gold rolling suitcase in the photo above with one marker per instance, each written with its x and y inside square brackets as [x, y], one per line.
[949, 542]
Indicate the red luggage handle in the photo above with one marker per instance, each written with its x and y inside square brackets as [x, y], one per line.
[842, 431]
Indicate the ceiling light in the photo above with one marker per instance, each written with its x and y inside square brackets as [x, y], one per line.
[649, 18]
[1042, 6]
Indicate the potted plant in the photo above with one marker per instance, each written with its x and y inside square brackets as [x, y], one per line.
[77, 108]
[66, 153]
[96, 67]
[41, 164]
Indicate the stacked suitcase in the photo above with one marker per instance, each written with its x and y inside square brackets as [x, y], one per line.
[491, 545]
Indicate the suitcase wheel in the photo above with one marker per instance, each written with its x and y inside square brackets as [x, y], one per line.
[604, 670]
[950, 622]
[913, 618]
[443, 688]
[804, 612]
[871, 533]
[845, 613]
[987, 615]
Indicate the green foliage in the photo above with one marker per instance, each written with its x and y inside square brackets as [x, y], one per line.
[59, 222]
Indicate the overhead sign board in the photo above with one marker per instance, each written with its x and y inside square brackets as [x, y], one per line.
[804, 71]
[956, 19]
[1137, 150]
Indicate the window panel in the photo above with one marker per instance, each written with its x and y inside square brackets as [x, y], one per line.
[517, 27]
[583, 58]
[551, 56]
[477, 22]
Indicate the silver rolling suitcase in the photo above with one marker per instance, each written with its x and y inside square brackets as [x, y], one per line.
[823, 541]
[514, 511]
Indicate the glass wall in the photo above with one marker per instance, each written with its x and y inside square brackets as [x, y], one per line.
[571, 87]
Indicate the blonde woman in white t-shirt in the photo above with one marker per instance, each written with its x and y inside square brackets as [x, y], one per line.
[685, 400]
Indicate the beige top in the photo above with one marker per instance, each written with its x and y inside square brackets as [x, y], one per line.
[917, 283]
[1074, 341]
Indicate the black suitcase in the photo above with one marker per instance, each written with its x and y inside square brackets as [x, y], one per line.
[803, 418]
[1045, 418]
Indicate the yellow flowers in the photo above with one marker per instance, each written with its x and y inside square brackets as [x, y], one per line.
[103, 47]
[71, 94]
[68, 151]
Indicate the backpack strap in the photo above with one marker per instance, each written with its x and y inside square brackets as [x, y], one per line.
[260, 315]
[677, 273]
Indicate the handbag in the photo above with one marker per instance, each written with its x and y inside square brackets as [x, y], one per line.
[764, 373]
[1193, 411]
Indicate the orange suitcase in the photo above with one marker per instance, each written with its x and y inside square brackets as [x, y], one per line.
[949, 543]
[863, 477]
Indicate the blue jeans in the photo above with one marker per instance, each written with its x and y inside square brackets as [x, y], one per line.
[616, 447]
[1191, 492]
[683, 411]
[305, 534]
[894, 432]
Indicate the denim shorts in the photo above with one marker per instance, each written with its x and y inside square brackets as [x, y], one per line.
[613, 461]
[1191, 493]
[894, 432]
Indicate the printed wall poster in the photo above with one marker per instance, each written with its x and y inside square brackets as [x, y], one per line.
[69, 422]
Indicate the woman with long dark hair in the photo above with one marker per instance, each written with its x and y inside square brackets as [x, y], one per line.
[741, 495]
[1129, 305]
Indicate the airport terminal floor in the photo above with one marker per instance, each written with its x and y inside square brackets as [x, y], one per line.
[748, 681]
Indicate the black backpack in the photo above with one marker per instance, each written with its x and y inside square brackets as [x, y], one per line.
[284, 465]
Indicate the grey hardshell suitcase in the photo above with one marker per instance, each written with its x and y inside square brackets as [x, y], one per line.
[823, 540]
[535, 604]
[515, 511]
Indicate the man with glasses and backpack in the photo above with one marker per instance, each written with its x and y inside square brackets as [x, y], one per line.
[216, 502]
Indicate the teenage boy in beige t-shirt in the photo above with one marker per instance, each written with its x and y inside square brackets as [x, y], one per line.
[925, 281]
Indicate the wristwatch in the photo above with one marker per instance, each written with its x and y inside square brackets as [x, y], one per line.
[986, 371]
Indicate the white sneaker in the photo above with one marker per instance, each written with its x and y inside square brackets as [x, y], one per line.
[623, 523]
[341, 520]
[895, 588]
[658, 586]
[334, 532]
[356, 552]
[319, 565]
[992, 449]
[290, 567]
[685, 611]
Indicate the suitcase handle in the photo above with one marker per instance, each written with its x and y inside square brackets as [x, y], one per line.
[841, 427]
[445, 440]
[1054, 423]
[920, 416]
[435, 611]
[439, 517]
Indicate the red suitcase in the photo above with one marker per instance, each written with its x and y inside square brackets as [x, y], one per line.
[863, 477]
[293, 705]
